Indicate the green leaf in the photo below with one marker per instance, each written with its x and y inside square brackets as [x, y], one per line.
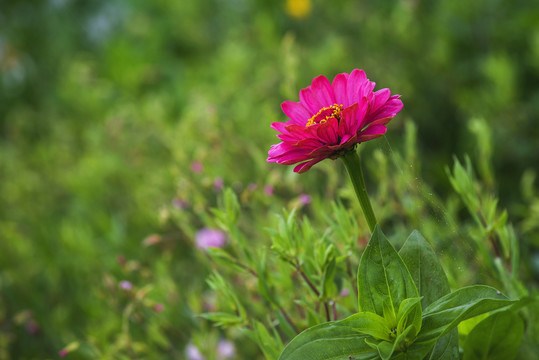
[222, 318]
[384, 348]
[269, 345]
[329, 288]
[431, 282]
[369, 324]
[409, 315]
[284, 325]
[417, 351]
[427, 272]
[496, 338]
[389, 313]
[329, 341]
[446, 313]
[447, 347]
[382, 276]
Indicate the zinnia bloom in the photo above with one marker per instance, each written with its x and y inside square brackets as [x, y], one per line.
[330, 119]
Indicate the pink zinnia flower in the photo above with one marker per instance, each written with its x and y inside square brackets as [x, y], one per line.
[330, 119]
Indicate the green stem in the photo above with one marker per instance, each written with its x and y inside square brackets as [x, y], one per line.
[353, 165]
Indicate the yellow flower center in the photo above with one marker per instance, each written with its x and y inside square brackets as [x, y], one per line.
[326, 113]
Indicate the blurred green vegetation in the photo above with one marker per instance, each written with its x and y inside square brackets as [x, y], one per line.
[105, 105]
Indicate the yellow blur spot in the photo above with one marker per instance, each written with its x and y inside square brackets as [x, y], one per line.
[298, 9]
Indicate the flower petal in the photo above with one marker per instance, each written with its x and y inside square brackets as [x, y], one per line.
[382, 121]
[348, 117]
[339, 89]
[380, 98]
[296, 112]
[355, 81]
[372, 132]
[308, 101]
[279, 126]
[348, 142]
[366, 89]
[357, 123]
[288, 156]
[389, 109]
[327, 132]
[322, 91]
[303, 167]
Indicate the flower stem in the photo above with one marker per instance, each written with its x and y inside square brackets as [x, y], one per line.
[353, 165]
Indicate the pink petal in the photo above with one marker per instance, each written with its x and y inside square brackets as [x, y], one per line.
[303, 167]
[382, 121]
[348, 117]
[345, 138]
[380, 98]
[389, 109]
[288, 138]
[361, 116]
[322, 91]
[298, 131]
[366, 89]
[327, 132]
[296, 112]
[339, 89]
[349, 142]
[308, 101]
[290, 157]
[291, 154]
[279, 126]
[286, 150]
[356, 79]
[322, 151]
[372, 132]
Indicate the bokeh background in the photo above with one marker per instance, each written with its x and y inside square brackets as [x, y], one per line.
[121, 121]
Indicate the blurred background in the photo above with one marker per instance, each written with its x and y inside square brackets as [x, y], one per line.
[122, 121]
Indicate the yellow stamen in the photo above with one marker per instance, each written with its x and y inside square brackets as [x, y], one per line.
[335, 113]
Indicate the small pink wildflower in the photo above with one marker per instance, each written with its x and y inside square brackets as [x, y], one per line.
[330, 119]
[158, 307]
[208, 237]
[69, 348]
[225, 350]
[218, 183]
[192, 353]
[304, 199]
[268, 190]
[63, 352]
[344, 292]
[126, 285]
[197, 167]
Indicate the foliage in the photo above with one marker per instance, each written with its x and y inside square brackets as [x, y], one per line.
[106, 105]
